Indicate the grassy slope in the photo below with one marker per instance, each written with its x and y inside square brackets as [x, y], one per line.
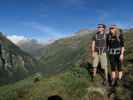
[69, 85]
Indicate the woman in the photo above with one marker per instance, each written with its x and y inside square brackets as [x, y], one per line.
[115, 44]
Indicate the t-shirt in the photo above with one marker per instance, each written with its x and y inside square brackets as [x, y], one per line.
[100, 41]
[114, 42]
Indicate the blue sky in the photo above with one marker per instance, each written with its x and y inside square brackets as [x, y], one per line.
[51, 19]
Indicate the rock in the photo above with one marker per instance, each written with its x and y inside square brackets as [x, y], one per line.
[96, 93]
[37, 77]
[14, 63]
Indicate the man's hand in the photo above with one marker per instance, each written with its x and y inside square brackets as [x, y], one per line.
[93, 48]
[93, 55]
[121, 57]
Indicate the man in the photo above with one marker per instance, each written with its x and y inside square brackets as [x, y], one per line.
[99, 48]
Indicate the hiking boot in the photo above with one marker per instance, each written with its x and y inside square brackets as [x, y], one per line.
[105, 83]
[111, 93]
[92, 78]
[113, 83]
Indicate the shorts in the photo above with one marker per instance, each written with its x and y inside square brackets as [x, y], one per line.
[100, 58]
[115, 62]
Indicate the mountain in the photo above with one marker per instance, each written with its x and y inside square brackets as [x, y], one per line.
[31, 46]
[34, 48]
[74, 81]
[15, 64]
[63, 53]
[85, 31]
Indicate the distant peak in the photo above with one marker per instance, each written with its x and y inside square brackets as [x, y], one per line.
[84, 31]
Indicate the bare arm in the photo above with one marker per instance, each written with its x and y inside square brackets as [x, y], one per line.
[93, 48]
[122, 50]
[122, 44]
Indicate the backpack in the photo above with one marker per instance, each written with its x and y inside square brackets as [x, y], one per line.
[101, 42]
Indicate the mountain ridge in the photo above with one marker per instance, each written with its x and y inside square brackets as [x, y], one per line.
[15, 63]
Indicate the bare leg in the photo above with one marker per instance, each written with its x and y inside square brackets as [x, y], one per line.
[120, 75]
[113, 78]
[106, 73]
[113, 75]
[94, 72]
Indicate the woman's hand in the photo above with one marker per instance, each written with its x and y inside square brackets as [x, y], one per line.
[121, 57]
[122, 54]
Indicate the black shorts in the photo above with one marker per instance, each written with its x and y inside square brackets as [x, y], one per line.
[115, 62]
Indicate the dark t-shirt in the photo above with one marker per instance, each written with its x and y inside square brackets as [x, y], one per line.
[114, 42]
[100, 41]
[99, 36]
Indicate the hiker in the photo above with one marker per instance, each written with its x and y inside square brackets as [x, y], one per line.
[99, 48]
[115, 44]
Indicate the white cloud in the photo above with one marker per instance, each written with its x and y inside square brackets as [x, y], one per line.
[16, 38]
[48, 33]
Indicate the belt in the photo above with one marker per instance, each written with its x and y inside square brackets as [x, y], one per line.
[100, 50]
[114, 51]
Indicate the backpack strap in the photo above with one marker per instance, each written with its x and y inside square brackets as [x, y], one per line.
[102, 38]
[101, 49]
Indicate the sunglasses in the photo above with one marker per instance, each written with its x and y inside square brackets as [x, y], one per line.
[100, 27]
